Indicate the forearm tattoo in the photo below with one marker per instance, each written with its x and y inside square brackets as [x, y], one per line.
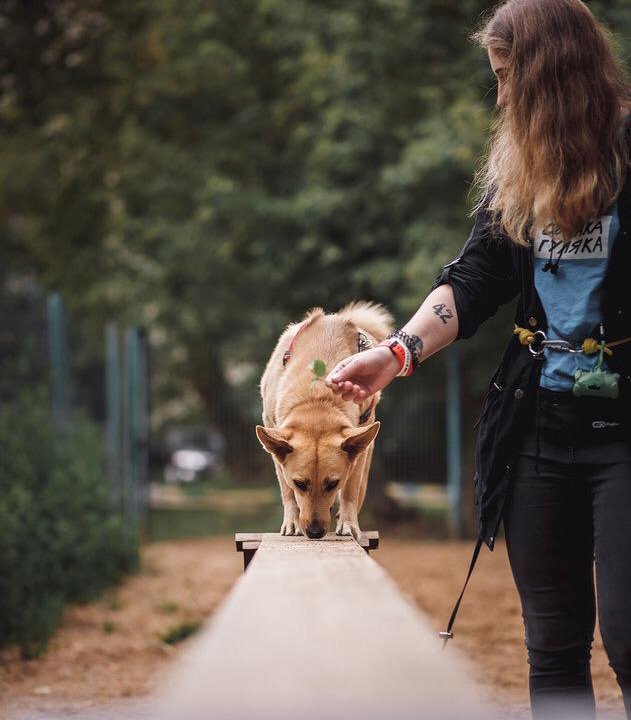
[443, 312]
[417, 353]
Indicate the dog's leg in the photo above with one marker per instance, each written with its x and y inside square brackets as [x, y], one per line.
[347, 523]
[291, 522]
[363, 481]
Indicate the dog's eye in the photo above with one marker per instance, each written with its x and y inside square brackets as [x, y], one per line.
[330, 485]
[300, 484]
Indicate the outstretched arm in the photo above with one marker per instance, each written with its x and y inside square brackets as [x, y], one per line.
[435, 322]
[468, 291]
[363, 374]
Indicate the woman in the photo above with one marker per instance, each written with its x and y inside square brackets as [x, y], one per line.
[553, 456]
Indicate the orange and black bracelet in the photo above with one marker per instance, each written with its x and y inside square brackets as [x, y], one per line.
[402, 354]
[413, 343]
[414, 346]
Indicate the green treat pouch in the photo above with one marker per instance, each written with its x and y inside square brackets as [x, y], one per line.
[597, 383]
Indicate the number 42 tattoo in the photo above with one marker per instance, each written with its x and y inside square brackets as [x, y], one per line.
[443, 312]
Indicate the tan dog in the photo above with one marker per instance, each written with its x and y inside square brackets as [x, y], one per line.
[321, 445]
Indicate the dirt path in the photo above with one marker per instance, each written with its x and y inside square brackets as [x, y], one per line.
[112, 651]
[489, 627]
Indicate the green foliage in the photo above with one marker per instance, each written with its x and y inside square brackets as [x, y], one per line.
[180, 632]
[60, 539]
[168, 607]
[318, 369]
[109, 627]
[216, 169]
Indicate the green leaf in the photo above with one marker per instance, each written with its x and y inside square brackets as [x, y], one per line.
[318, 368]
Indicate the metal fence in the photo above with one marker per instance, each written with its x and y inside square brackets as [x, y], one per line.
[127, 419]
[41, 346]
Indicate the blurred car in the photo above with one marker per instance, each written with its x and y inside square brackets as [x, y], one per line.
[192, 453]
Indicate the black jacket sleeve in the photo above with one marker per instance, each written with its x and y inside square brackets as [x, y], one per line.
[482, 277]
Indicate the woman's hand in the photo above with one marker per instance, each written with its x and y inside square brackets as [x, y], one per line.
[363, 374]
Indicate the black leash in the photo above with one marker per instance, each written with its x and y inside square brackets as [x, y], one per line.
[448, 634]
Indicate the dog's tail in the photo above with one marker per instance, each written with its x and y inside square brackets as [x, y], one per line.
[369, 316]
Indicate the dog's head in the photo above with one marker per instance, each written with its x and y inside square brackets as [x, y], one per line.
[316, 464]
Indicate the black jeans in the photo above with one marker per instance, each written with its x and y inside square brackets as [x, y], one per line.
[570, 504]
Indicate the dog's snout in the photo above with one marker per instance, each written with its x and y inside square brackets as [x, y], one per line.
[316, 530]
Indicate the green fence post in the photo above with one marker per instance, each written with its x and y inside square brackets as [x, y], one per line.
[57, 354]
[136, 424]
[454, 440]
[130, 424]
[144, 410]
[113, 409]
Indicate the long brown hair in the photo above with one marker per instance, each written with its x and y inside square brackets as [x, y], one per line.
[557, 153]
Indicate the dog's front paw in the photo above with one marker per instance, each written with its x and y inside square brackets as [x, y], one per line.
[348, 527]
[290, 526]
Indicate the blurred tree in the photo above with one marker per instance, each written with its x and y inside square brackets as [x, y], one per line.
[213, 169]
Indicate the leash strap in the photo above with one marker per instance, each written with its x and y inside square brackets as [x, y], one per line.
[448, 634]
[617, 342]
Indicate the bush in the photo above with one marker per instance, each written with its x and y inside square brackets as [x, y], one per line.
[59, 537]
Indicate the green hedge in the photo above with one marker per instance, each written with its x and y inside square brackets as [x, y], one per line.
[59, 539]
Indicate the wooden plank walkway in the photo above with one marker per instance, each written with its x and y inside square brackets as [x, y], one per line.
[315, 629]
[249, 543]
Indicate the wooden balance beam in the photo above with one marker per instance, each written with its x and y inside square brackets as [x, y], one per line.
[316, 630]
[248, 543]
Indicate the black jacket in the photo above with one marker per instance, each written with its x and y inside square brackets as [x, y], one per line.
[491, 271]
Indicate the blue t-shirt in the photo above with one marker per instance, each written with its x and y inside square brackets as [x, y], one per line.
[571, 297]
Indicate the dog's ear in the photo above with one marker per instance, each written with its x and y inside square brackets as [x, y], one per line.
[274, 441]
[358, 439]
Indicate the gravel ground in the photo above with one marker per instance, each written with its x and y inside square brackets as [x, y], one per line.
[107, 655]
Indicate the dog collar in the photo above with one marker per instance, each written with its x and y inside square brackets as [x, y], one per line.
[367, 412]
[363, 343]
